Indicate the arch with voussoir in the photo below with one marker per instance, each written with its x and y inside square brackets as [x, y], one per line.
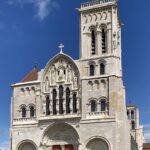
[26, 145]
[97, 140]
[61, 134]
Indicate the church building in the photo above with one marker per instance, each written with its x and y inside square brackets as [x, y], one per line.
[78, 104]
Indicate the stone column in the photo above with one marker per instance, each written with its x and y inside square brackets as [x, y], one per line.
[109, 40]
[71, 103]
[78, 104]
[64, 102]
[39, 104]
[57, 103]
[51, 102]
[99, 43]
[89, 51]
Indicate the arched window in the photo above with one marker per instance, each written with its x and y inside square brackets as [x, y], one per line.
[103, 105]
[93, 106]
[67, 100]
[47, 106]
[132, 114]
[92, 70]
[93, 42]
[103, 41]
[132, 125]
[54, 101]
[23, 111]
[60, 99]
[128, 114]
[75, 103]
[32, 111]
[102, 69]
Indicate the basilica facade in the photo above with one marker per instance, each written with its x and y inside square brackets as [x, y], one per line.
[77, 104]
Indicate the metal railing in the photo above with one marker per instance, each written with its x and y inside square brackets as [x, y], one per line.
[96, 2]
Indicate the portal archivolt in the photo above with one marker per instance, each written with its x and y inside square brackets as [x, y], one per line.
[61, 137]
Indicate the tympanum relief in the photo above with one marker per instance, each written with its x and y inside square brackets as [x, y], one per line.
[61, 72]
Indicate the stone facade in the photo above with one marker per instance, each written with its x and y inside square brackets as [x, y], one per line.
[76, 104]
[137, 131]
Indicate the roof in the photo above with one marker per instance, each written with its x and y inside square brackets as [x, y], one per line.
[130, 105]
[146, 145]
[32, 76]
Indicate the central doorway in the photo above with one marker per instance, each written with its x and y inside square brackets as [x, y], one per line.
[66, 147]
[56, 147]
[69, 147]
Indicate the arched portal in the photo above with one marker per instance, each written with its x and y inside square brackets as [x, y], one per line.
[61, 136]
[27, 146]
[97, 144]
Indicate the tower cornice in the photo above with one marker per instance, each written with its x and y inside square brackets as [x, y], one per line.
[96, 4]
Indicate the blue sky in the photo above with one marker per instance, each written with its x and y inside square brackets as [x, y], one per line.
[31, 30]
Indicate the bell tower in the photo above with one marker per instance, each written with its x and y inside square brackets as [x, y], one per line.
[103, 92]
[100, 33]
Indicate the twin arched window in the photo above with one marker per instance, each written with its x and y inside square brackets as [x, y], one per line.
[131, 114]
[24, 111]
[92, 69]
[103, 106]
[93, 40]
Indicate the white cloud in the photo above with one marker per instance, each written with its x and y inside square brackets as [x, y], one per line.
[4, 145]
[147, 135]
[42, 7]
[147, 132]
[146, 125]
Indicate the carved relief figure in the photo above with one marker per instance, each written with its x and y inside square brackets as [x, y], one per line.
[47, 84]
[53, 77]
[69, 77]
[75, 82]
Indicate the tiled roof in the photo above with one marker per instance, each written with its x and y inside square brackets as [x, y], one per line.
[146, 145]
[32, 76]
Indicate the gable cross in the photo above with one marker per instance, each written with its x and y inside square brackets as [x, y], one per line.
[61, 46]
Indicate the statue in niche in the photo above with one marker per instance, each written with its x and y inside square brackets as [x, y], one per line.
[53, 75]
[118, 37]
[60, 62]
[114, 41]
[61, 74]
[69, 78]
[75, 82]
[47, 84]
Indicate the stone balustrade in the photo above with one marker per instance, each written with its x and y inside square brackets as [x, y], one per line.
[102, 114]
[24, 119]
[92, 3]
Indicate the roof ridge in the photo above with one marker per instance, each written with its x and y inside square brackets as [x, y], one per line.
[31, 76]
